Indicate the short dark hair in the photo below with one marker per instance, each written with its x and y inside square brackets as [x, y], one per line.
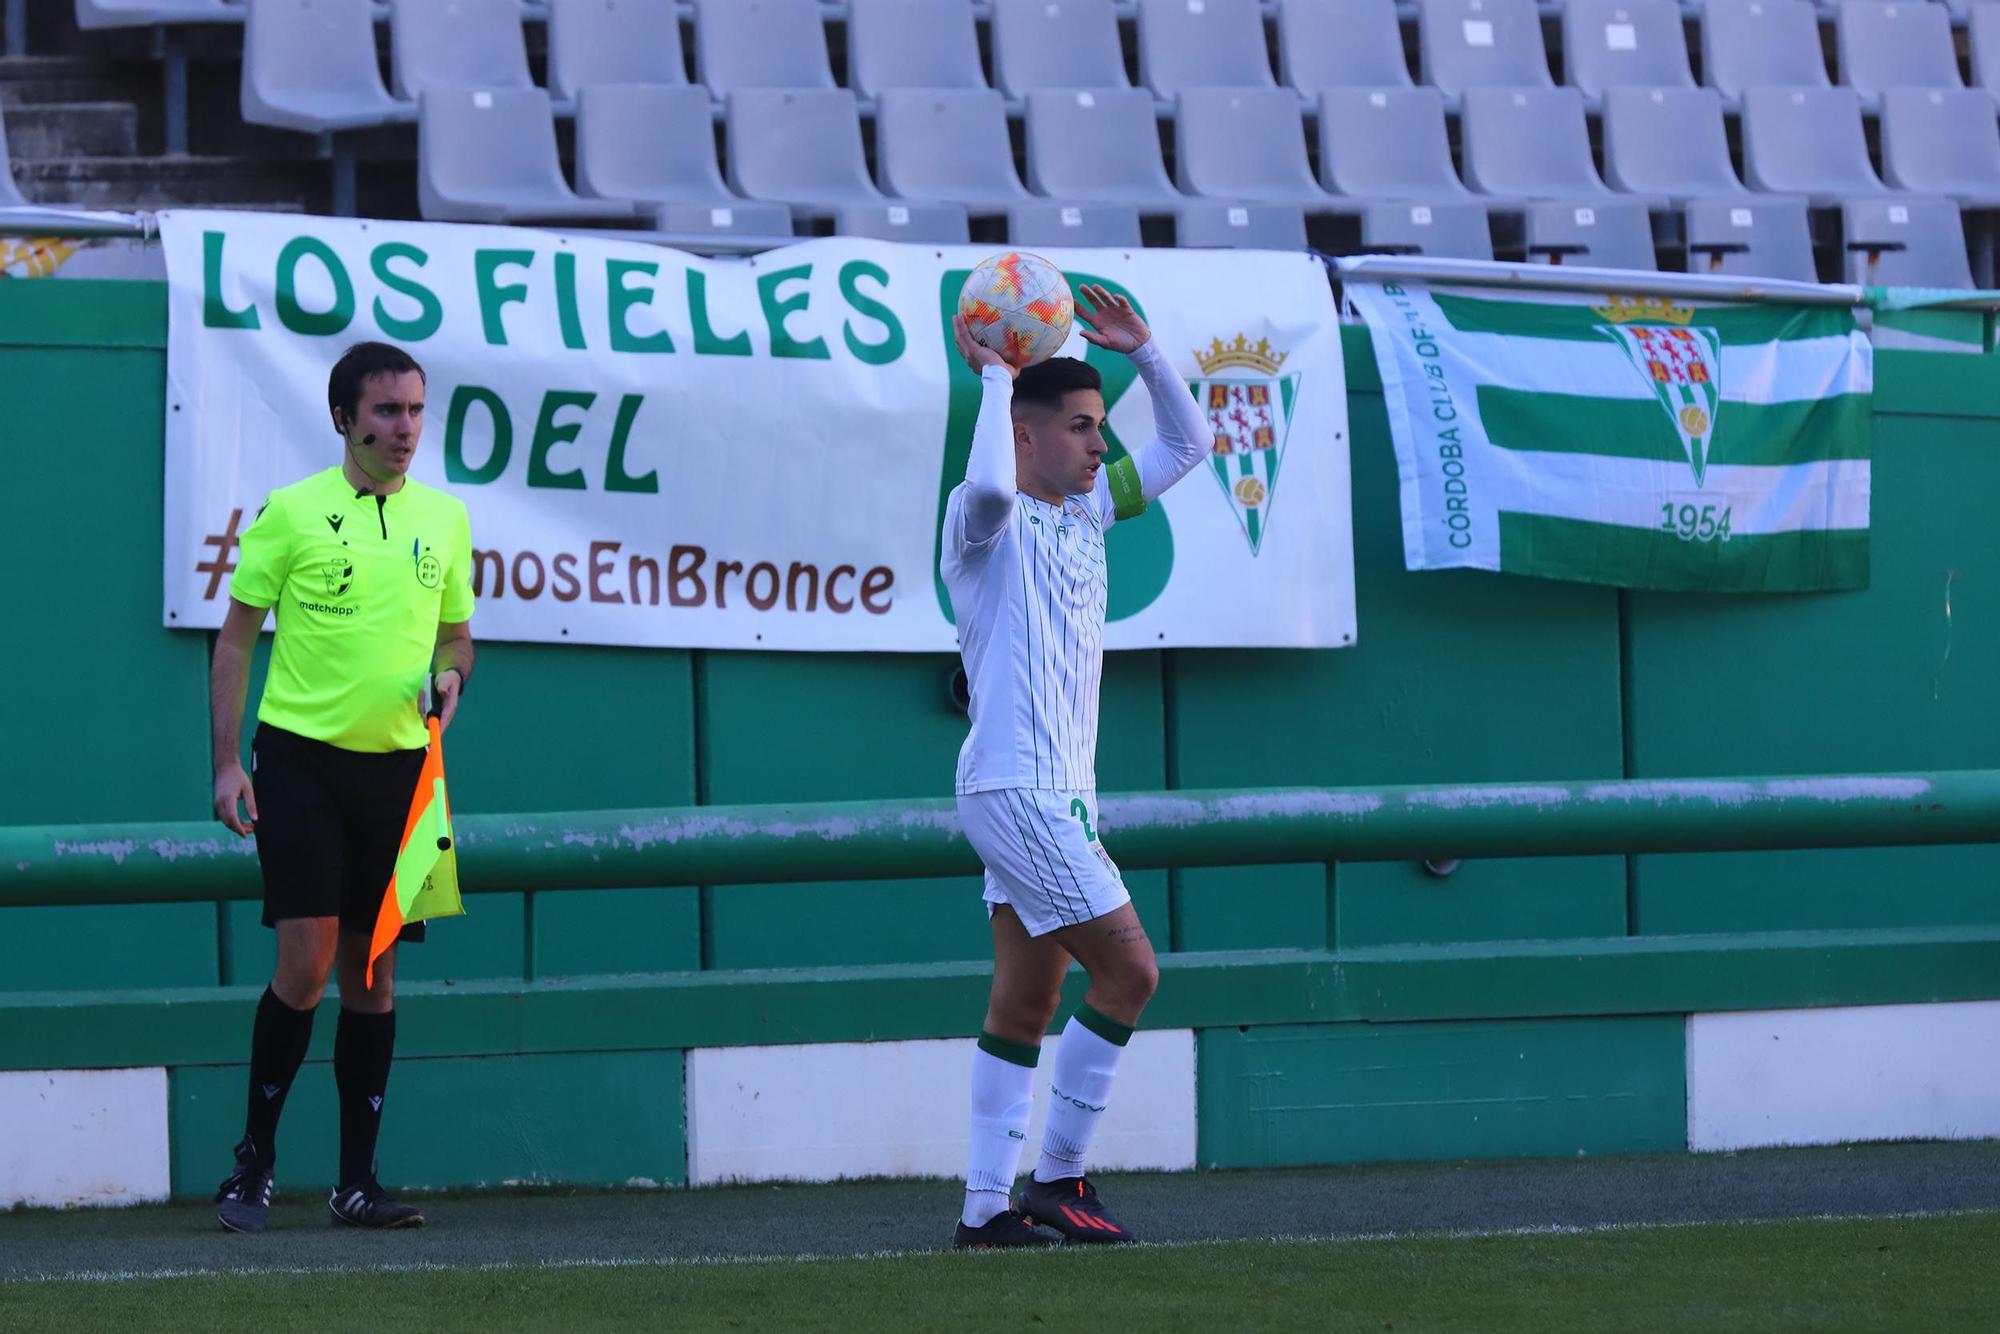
[343, 386]
[1044, 383]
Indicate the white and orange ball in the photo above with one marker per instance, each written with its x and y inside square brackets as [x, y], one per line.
[1019, 305]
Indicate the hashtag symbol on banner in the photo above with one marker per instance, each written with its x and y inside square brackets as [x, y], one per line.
[225, 544]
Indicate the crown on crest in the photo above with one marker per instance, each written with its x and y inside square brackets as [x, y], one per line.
[1625, 309]
[1242, 352]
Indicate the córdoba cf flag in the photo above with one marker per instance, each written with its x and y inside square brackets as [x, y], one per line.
[1695, 445]
[425, 882]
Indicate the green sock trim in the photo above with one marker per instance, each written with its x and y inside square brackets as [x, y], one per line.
[1015, 1053]
[1110, 1030]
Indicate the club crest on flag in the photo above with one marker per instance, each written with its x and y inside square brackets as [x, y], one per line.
[1249, 402]
[1681, 364]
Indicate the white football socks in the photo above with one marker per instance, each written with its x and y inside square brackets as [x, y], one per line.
[1079, 1089]
[1003, 1084]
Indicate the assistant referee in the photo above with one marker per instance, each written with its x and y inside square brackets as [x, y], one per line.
[369, 576]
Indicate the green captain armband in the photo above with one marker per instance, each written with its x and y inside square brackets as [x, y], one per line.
[1126, 500]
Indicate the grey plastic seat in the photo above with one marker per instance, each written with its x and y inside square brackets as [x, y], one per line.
[1894, 46]
[927, 224]
[155, 13]
[1204, 44]
[1340, 44]
[1098, 143]
[310, 65]
[760, 44]
[1246, 144]
[1942, 141]
[1624, 44]
[457, 44]
[1210, 223]
[1048, 223]
[947, 145]
[911, 44]
[1750, 43]
[1386, 143]
[799, 146]
[1806, 141]
[1921, 242]
[1755, 237]
[1613, 234]
[613, 41]
[1056, 44]
[735, 218]
[1481, 43]
[648, 142]
[1529, 143]
[1436, 231]
[489, 155]
[1669, 142]
[1982, 40]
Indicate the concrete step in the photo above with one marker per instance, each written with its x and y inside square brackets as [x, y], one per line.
[73, 129]
[163, 182]
[28, 80]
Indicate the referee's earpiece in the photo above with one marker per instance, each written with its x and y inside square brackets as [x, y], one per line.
[366, 490]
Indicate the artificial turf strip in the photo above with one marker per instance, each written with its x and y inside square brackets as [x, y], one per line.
[1934, 1273]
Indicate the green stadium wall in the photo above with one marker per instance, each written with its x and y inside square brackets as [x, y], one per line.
[1330, 1014]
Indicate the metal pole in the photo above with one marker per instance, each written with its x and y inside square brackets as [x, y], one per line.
[17, 27]
[197, 862]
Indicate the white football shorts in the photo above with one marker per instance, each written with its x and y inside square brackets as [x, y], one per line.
[1042, 854]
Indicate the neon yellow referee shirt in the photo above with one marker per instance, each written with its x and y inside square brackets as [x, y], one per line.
[359, 585]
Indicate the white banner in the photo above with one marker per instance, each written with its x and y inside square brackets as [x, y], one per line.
[661, 449]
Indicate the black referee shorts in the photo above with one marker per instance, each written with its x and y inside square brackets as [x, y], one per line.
[329, 823]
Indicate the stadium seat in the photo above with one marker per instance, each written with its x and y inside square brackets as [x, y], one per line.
[802, 147]
[1340, 44]
[1905, 241]
[1904, 45]
[1208, 223]
[1098, 144]
[1435, 231]
[1669, 142]
[1056, 44]
[155, 13]
[1481, 43]
[1386, 143]
[929, 224]
[613, 41]
[1048, 223]
[1528, 143]
[457, 44]
[1754, 237]
[489, 155]
[1750, 43]
[1246, 144]
[10, 193]
[760, 44]
[1942, 141]
[1207, 44]
[911, 44]
[1982, 40]
[1624, 44]
[736, 218]
[1806, 141]
[1603, 234]
[947, 145]
[649, 142]
[310, 65]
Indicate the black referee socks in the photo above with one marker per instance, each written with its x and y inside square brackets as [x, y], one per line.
[363, 1046]
[278, 1044]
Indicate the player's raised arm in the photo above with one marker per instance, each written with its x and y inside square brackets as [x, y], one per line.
[1183, 436]
[989, 468]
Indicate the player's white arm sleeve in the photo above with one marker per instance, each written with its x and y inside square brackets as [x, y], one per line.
[1183, 437]
[989, 469]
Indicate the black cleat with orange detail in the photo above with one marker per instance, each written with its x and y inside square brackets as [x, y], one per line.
[1005, 1229]
[1071, 1207]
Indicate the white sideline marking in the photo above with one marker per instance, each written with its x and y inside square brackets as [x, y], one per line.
[697, 1261]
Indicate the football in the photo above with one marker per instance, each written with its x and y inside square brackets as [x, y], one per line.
[1019, 305]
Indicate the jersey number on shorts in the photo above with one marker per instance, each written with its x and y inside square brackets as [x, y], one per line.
[1082, 813]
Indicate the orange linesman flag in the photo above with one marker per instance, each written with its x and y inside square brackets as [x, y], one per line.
[425, 882]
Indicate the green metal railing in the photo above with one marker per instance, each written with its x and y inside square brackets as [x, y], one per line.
[712, 845]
